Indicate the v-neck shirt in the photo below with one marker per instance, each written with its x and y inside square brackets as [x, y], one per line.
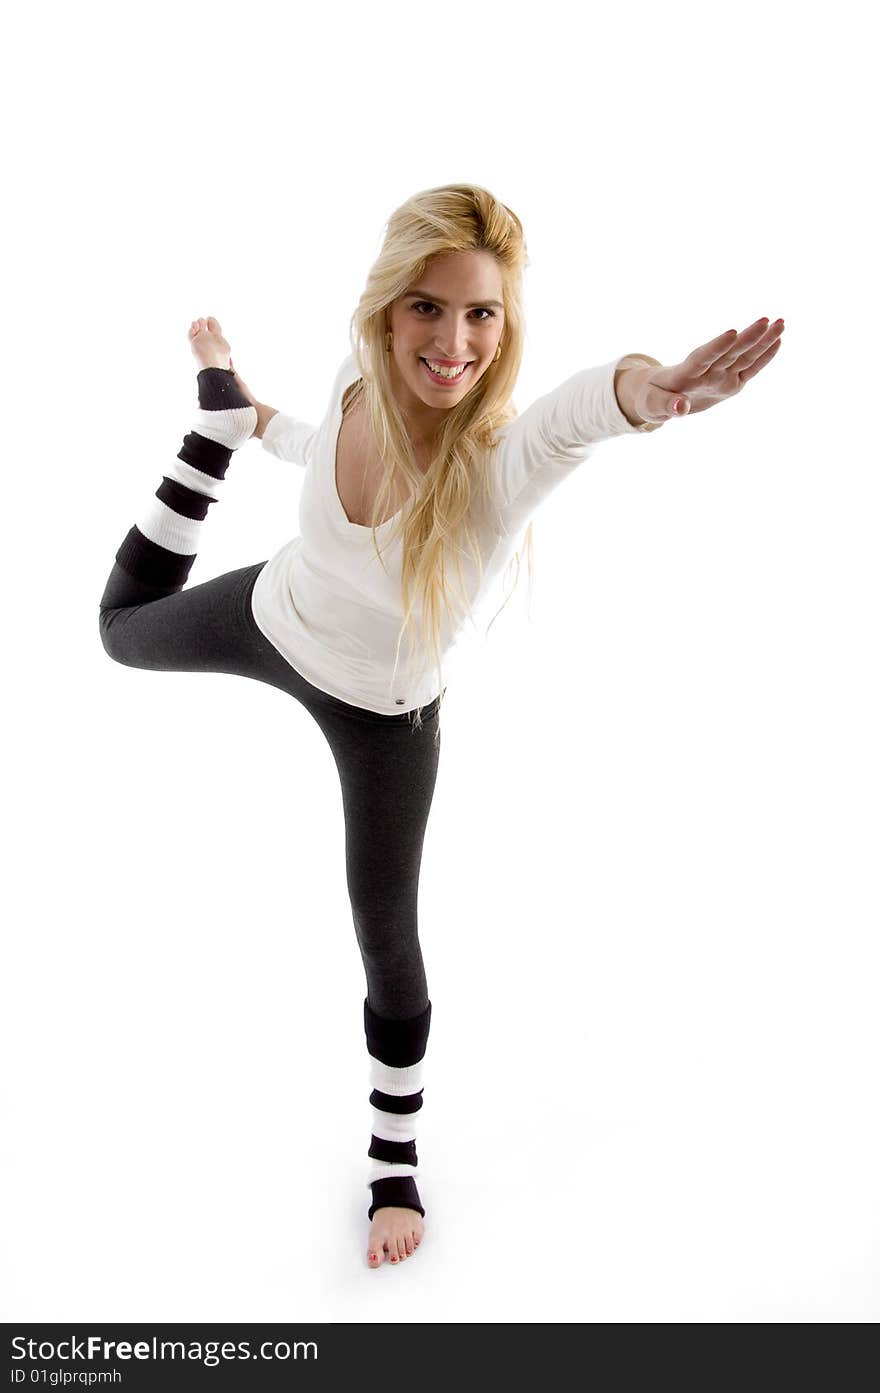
[334, 611]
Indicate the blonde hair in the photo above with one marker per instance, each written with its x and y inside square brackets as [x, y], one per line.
[450, 218]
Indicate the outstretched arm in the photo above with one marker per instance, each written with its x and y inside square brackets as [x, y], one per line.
[710, 374]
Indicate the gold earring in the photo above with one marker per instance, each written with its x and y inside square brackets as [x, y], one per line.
[389, 339]
[497, 354]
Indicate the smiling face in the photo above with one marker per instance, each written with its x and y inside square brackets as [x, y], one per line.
[451, 315]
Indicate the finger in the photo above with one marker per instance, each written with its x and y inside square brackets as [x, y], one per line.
[750, 355]
[744, 341]
[760, 362]
[704, 356]
[659, 404]
[724, 350]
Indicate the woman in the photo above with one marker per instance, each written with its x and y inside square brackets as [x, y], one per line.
[421, 450]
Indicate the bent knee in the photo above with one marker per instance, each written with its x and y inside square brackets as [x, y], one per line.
[112, 635]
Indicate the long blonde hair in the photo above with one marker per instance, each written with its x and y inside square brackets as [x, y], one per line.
[450, 218]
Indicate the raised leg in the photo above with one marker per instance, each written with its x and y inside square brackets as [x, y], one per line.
[146, 617]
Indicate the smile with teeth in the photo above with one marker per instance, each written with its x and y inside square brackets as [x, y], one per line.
[444, 374]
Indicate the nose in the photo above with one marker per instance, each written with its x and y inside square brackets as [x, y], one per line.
[456, 346]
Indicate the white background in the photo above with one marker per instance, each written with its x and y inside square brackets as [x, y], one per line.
[649, 900]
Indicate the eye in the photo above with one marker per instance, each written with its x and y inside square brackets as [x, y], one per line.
[479, 308]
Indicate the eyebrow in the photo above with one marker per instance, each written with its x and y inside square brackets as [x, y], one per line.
[435, 300]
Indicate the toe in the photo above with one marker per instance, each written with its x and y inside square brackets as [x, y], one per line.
[392, 1252]
[408, 1242]
[375, 1258]
[213, 324]
[401, 1248]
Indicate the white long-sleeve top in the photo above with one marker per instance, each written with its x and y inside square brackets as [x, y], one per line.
[324, 600]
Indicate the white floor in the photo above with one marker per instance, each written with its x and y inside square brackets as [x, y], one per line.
[649, 919]
[234, 1207]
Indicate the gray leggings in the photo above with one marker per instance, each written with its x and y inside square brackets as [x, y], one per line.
[387, 767]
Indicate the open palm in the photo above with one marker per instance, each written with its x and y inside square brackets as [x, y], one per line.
[711, 373]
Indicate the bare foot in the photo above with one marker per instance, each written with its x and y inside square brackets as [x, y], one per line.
[208, 344]
[212, 351]
[395, 1231]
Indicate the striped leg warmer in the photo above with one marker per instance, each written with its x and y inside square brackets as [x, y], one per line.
[161, 548]
[397, 1051]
